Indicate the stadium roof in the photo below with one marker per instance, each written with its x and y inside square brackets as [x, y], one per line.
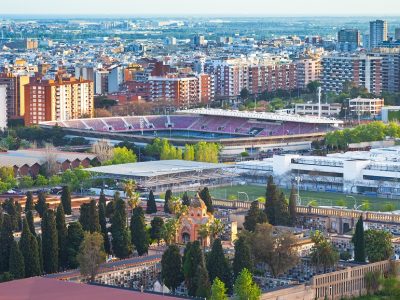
[261, 116]
[156, 168]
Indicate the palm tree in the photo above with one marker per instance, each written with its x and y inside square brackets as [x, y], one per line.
[176, 207]
[203, 232]
[168, 231]
[216, 228]
[131, 194]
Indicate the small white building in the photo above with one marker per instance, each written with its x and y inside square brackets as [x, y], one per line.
[3, 107]
[312, 109]
[363, 106]
[390, 113]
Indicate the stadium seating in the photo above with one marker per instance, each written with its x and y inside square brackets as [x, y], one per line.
[117, 124]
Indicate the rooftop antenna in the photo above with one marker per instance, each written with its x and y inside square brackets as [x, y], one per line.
[319, 102]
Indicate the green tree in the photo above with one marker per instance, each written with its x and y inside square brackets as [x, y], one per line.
[156, 229]
[91, 255]
[188, 153]
[40, 250]
[243, 258]
[31, 225]
[185, 199]
[103, 225]
[121, 156]
[41, 206]
[245, 288]
[168, 196]
[26, 182]
[254, 216]
[323, 253]
[30, 251]
[276, 207]
[62, 234]
[378, 245]
[11, 209]
[171, 267]
[206, 197]
[66, 199]
[74, 239]
[192, 258]
[218, 290]
[29, 202]
[102, 199]
[139, 235]
[6, 240]
[218, 265]
[89, 217]
[202, 282]
[169, 229]
[151, 204]
[359, 241]
[120, 236]
[41, 180]
[50, 242]
[16, 262]
[292, 206]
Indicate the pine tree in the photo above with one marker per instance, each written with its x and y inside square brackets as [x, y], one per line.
[359, 241]
[242, 259]
[103, 226]
[292, 206]
[139, 235]
[151, 204]
[206, 197]
[120, 237]
[156, 229]
[30, 251]
[254, 216]
[62, 233]
[74, 239]
[66, 199]
[29, 202]
[218, 290]
[6, 239]
[218, 265]
[185, 199]
[31, 225]
[168, 196]
[202, 282]
[41, 206]
[40, 250]
[193, 257]
[171, 267]
[49, 242]
[16, 262]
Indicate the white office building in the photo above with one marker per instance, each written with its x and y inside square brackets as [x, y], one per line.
[3, 107]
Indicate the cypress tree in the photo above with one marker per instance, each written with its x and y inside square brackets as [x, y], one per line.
[10, 208]
[103, 226]
[193, 257]
[18, 209]
[120, 237]
[292, 205]
[41, 206]
[16, 263]
[185, 199]
[270, 200]
[31, 225]
[171, 267]
[102, 199]
[254, 216]
[40, 250]
[29, 202]
[62, 233]
[139, 235]
[151, 204]
[6, 239]
[281, 210]
[168, 196]
[30, 251]
[49, 242]
[359, 241]
[206, 197]
[89, 217]
[218, 265]
[74, 239]
[156, 229]
[203, 288]
[242, 259]
[66, 199]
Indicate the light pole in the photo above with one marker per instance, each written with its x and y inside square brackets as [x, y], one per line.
[298, 180]
[355, 201]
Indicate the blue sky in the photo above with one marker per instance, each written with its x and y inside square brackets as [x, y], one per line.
[203, 7]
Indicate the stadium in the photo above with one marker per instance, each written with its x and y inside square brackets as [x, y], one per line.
[237, 131]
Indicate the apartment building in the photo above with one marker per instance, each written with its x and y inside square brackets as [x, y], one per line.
[390, 68]
[361, 106]
[361, 69]
[3, 107]
[308, 70]
[378, 33]
[101, 81]
[58, 100]
[15, 93]
[348, 40]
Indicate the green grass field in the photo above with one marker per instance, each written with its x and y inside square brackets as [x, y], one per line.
[321, 198]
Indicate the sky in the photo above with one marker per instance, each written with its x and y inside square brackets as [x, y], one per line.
[203, 7]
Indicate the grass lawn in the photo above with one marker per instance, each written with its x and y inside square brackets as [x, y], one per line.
[322, 198]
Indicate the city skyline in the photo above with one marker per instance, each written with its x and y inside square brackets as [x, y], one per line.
[205, 7]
